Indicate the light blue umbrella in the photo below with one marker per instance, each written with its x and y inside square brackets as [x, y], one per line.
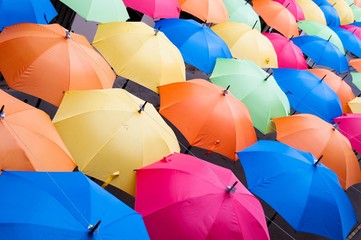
[308, 93]
[301, 189]
[20, 11]
[331, 15]
[199, 45]
[63, 205]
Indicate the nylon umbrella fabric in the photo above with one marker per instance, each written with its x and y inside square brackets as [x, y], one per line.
[356, 79]
[307, 195]
[196, 200]
[247, 43]
[312, 11]
[354, 29]
[350, 41]
[156, 8]
[208, 11]
[309, 133]
[199, 45]
[343, 10]
[208, 116]
[63, 206]
[99, 10]
[30, 141]
[307, 93]
[140, 53]
[322, 52]
[355, 105]
[21, 11]
[111, 132]
[356, 64]
[288, 54]
[47, 60]
[330, 13]
[349, 125]
[294, 8]
[256, 88]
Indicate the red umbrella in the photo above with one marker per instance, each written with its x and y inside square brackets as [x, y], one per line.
[155, 8]
[349, 125]
[184, 197]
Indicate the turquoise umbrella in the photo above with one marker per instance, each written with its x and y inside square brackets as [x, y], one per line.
[242, 12]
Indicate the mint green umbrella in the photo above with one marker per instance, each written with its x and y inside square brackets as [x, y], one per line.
[242, 12]
[356, 79]
[99, 10]
[256, 88]
[356, 12]
[314, 28]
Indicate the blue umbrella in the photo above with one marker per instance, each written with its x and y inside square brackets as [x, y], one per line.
[20, 11]
[199, 45]
[308, 93]
[349, 40]
[63, 205]
[331, 15]
[322, 52]
[302, 190]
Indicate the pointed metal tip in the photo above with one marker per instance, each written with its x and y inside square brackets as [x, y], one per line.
[231, 189]
[142, 107]
[2, 113]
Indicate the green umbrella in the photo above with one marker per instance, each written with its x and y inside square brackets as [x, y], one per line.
[242, 12]
[256, 88]
[99, 10]
[356, 13]
[318, 29]
[356, 79]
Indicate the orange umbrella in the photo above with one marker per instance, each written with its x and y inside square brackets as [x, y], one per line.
[355, 63]
[277, 16]
[338, 85]
[208, 116]
[309, 133]
[210, 11]
[47, 60]
[29, 140]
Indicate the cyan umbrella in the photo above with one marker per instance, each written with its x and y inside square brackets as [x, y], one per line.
[322, 52]
[300, 188]
[63, 205]
[242, 11]
[349, 40]
[331, 15]
[20, 11]
[256, 88]
[198, 44]
[308, 93]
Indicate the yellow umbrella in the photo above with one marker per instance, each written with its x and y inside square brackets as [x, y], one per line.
[312, 11]
[355, 105]
[344, 11]
[140, 53]
[247, 43]
[111, 132]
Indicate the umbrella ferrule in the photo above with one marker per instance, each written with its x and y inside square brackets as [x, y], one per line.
[335, 126]
[156, 31]
[92, 228]
[142, 107]
[318, 160]
[231, 189]
[2, 113]
[67, 34]
[268, 76]
[225, 91]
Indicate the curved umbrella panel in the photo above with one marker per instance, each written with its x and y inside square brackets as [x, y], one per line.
[350, 125]
[356, 79]
[294, 8]
[312, 11]
[331, 15]
[156, 8]
[350, 41]
[209, 11]
[39, 11]
[343, 10]
[308, 197]
[355, 105]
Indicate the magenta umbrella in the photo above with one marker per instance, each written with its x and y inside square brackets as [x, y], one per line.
[349, 124]
[294, 8]
[155, 8]
[288, 54]
[184, 197]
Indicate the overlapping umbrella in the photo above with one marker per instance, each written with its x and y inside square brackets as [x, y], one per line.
[155, 8]
[349, 125]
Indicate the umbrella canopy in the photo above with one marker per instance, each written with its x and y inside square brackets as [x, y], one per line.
[247, 43]
[30, 141]
[277, 16]
[307, 93]
[111, 132]
[47, 60]
[198, 44]
[196, 200]
[322, 52]
[356, 79]
[338, 85]
[155, 8]
[355, 105]
[311, 134]
[349, 125]
[256, 88]
[288, 54]
[330, 13]
[48, 205]
[312, 11]
[304, 192]
[356, 64]
[349, 40]
[209, 11]
[21, 11]
[343, 10]
[208, 116]
[354, 29]
[242, 11]
[139, 53]
[294, 8]
[317, 29]
[99, 10]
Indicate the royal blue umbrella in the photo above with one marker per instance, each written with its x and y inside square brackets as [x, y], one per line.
[331, 15]
[301, 189]
[199, 45]
[322, 52]
[63, 205]
[308, 93]
[349, 40]
[20, 11]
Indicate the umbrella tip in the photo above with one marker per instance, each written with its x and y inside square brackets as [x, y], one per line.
[317, 161]
[268, 76]
[141, 108]
[231, 189]
[67, 34]
[225, 91]
[157, 30]
[92, 228]
[335, 126]
[2, 113]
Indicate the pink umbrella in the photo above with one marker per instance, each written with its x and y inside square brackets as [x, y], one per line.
[294, 8]
[288, 54]
[155, 8]
[349, 125]
[184, 197]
